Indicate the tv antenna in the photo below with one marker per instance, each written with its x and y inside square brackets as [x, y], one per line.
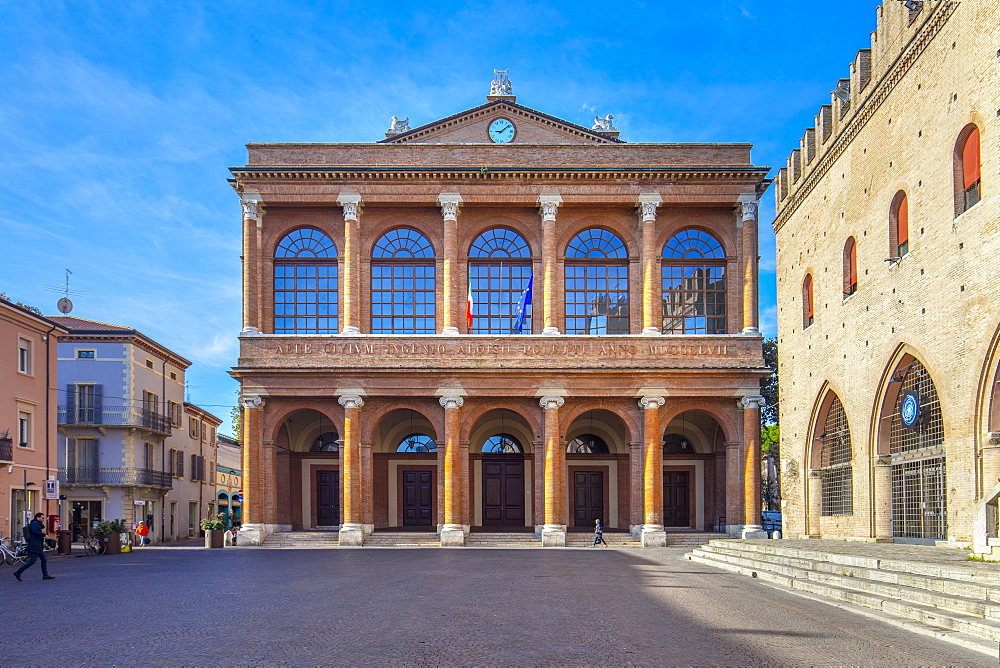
[64, 304]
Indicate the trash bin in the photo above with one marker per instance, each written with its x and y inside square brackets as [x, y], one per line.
[64, 542]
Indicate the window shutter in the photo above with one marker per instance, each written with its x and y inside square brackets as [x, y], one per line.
[809, 297]
[194, 467]
[95, 455]
[180, 464]
[71, 404]
[70, 454]
[201, 468]
[970, 159]
[853, 260]
[98, 404]
[902, 222]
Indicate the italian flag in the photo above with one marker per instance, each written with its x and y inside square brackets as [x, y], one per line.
[469, 305]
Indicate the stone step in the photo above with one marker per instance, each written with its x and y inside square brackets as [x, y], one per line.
[403, 539]
[976, 618]
[302, 539]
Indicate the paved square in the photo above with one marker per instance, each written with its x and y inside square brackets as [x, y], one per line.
[173, 605]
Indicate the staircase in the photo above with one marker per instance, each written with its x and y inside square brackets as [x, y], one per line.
[302, 539]
[692, 538]
[948, 597]
[502, 539]
[613, 539]
[403, 539]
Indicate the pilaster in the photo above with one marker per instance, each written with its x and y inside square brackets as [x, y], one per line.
[554, 529]
[352, 531]
[452, 533]
[653, 534]
[547, 205]
[651, 301]
[253, 531]
[449, 203]
[748, 218]
[751, 477]
[350, 285]
[253, 214]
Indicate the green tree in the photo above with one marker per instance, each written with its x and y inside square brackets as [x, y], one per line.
[769, 385]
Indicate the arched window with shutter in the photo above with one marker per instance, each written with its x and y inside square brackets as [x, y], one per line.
[850, 267]
[807, 301]
[899, 226]
[967, 169]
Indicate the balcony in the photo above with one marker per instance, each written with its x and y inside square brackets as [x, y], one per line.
[120, 477]
[115, 416]
[6, 450]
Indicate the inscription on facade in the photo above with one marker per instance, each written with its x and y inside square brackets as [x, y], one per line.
[513, 349]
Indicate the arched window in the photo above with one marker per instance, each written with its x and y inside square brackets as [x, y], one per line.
[916, 443]
[596, 284]
[502, 444]
[326, 442]
[588, 444]
[305, 284]
[500, 270]
[967, 168]
[807, 301]
[403, 285]
[693, 276]
[850, 267]
[899, 226]
[836, 472]
[417, 443]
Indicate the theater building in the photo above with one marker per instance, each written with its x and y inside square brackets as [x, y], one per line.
[499, 321]
[888, 229]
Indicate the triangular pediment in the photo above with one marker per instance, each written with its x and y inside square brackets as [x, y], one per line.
[531, 127]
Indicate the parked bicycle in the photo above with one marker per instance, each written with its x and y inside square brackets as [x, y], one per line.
[92, 546]
[15, 553]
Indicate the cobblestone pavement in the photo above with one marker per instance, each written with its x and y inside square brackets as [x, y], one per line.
[191, 606]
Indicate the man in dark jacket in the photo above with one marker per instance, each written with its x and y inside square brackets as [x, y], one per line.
[36, 548]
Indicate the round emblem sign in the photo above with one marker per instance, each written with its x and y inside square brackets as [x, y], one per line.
[909, 410]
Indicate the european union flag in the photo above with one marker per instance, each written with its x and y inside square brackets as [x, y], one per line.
[523, 304]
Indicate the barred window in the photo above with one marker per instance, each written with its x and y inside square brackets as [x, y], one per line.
[835, 462]
[403, 284]
[928, 432]
[499, 270]
[597, 284]
[305, 284]
[693, 276]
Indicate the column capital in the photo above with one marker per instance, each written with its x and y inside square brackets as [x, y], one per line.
[351, 203]
[551, 402]
[251, 206]
[751, 401]
[251, 401]
[548, 205]
[732, 444]
[449, 203]
[748, 210]
[451, 401]
[647, 205]
[351, 401]
[651, 402]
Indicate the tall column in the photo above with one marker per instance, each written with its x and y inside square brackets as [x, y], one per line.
[635, 494]
[449, 203]
[882, 498]
[350, 284]
[814, 509]
[254, 530]
[653, 534]
[352, 530]
[554, 529]
[748, 217]
[651, 300]
[550, 255]
[252, 216]
[751, 472]
[452, 533]
[734, 486]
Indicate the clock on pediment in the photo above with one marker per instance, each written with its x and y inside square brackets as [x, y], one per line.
[502, 131]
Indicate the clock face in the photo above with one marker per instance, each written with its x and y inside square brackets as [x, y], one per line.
[909, 409]
[502, 131]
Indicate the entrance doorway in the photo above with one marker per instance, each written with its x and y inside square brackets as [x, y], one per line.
[418, 495]
[327, 498]
[588, 498]
[676, 498]
[503, 491]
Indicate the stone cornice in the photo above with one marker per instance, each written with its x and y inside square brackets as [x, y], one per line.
[866, 109]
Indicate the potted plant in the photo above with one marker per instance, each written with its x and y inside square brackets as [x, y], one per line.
[215, 531]
[109, 532]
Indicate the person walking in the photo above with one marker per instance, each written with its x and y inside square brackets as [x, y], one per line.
[598, 533]
[142, 531]
[36, 548]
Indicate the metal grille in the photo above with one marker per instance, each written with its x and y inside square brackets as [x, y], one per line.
[835, 462]
[919, 503]
[929, 432]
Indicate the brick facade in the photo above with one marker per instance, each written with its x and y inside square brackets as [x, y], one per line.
[921, 312]
[332, 407]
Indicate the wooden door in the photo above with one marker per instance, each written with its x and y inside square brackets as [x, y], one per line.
[327, 498]
[503, 492]
[588, 498]
[418, 494]
[676, 499]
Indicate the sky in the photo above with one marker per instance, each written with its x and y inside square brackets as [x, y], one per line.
[119, 121]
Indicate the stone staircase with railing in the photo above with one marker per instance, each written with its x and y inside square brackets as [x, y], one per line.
[301, 539]
[950, 598]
